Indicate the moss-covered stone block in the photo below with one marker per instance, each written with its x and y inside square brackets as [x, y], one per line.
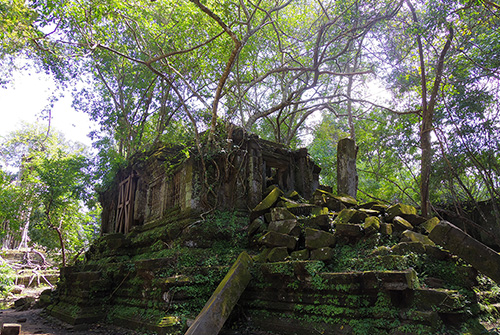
[294, 195]
[371, 225]
[316, 239]
[414, 219]
[262, 256]
[346, 200]
[344, 216]
[267, 202]
[322, 254]
[440, 300]
[411, 236]
[274, 239]
[301, 255]
[398, 210]
[281, 213]
[319, 211]
[289, 227]
[437, 253]
[401, 224]
[386, 228]
[349, 230]
[278, 254]
[317, 222]
[430, 224]
[369, 212]
[257, 226]
[350, 216]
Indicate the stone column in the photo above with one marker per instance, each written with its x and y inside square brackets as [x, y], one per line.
[347, 176]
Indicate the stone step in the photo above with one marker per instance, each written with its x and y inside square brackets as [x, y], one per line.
[284, 274]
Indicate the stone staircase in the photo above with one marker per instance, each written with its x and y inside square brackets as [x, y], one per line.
[138, 281]
[295, 297]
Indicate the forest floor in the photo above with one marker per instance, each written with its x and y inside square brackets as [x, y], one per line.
[34, 321]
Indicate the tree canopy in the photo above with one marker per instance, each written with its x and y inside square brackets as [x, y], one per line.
[45, 192]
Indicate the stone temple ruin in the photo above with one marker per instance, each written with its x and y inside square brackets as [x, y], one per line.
[259, 244]
[149, 188]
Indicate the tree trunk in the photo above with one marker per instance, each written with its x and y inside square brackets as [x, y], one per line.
[63, 247]
[347, 176]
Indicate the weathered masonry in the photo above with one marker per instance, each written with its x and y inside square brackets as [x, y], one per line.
[171, 177]
[304, 260]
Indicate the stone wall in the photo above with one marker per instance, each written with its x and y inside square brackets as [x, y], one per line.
[174, 177]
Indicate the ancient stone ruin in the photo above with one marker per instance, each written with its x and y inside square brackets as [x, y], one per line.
[259, 244]
[168, 177]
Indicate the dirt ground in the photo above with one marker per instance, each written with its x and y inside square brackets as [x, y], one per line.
[34, 321]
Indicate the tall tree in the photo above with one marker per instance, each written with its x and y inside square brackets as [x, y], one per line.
[50, 189]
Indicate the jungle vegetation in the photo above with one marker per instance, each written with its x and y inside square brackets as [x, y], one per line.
[413, 82]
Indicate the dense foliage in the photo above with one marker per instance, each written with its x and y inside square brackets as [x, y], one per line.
[298, 72]
[46, 194]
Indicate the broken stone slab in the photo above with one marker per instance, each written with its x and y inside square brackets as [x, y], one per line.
[414, 219]
[401, 224]
[386, 228]
[322, 254]
[317, 222]
[333, 202]
[430, 224]
[440, 300]
[301, 255]
[274, 239]
[257, 226]
[316, 239]
[319, 211]
[218, 308]
[371, 225]
[347, 216]
[349, 230]
[281, 213]
[278, 254]
[369, 212]
[398, 210]
[266, 203]
[411, 236]
[480, 256]
[11, 329]
[289, 227]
